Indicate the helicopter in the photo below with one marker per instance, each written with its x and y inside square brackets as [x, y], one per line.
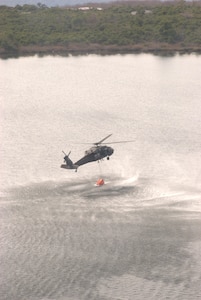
[96, 153]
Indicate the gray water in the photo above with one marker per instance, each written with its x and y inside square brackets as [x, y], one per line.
[136, 237]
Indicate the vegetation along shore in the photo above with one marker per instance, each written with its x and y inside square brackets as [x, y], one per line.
[116, 27]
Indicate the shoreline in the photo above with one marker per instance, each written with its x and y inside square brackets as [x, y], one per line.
[84, 49]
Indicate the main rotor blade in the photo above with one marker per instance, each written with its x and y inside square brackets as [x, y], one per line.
[100, 142]
[119, 142]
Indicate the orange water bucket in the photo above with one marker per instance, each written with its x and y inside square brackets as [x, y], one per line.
[100, 182]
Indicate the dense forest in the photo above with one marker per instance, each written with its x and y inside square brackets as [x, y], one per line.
[117, 27]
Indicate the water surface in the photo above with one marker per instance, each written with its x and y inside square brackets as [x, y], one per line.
[139, 235]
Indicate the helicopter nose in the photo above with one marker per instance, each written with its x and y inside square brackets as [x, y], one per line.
[110, 151]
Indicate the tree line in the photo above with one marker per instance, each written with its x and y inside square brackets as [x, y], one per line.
[117, 24]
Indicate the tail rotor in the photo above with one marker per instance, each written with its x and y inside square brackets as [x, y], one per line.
[68, 162]
[66, 157]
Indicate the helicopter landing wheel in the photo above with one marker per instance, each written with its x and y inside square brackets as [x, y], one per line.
[108, 158]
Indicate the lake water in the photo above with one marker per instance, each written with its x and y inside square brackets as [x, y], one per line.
[136, 237]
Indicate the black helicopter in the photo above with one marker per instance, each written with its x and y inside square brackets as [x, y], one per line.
[95, 153]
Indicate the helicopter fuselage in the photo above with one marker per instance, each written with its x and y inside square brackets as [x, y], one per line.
[100, 151]
[95, 153]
